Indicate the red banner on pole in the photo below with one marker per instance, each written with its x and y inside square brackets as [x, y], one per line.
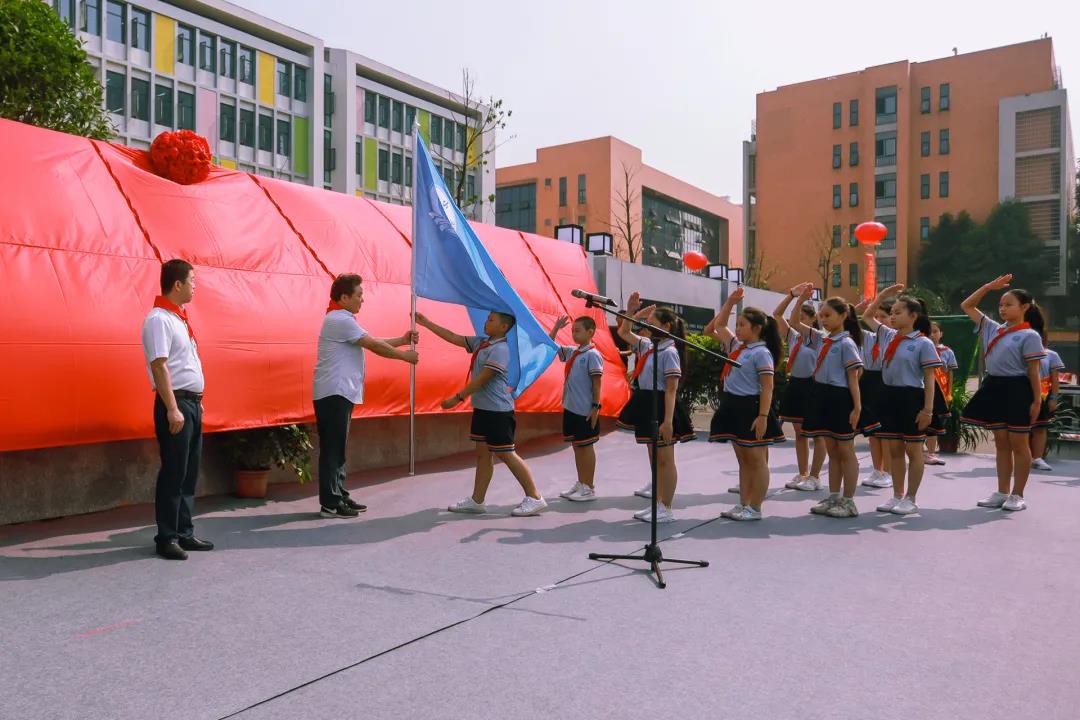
[870, 281]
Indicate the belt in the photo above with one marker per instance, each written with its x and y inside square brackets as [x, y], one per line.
[187, 394]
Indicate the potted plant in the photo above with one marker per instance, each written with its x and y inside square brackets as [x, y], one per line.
[959, 436]
[256, 451]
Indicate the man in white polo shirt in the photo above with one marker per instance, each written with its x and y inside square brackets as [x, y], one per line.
[339, 385]
[172, 360]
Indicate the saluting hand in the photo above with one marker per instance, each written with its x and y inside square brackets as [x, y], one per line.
[1000, 282]
[560, 323]
[736, 294]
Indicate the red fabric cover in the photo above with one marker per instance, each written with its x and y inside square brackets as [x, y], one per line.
[83, 229]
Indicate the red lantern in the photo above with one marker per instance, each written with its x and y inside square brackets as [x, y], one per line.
[181, 156]
[870, 233]
[695, 260]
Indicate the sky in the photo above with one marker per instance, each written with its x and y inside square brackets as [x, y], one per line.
[677, 78]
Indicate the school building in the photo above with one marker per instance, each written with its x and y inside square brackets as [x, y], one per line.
[271, 100]
[902, 144]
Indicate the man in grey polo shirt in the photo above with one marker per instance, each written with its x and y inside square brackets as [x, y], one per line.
[339, 386]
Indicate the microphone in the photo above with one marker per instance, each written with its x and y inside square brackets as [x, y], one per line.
[595, 299]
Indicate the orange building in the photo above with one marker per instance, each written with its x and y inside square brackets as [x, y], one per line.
[603, 186]
[904, 143]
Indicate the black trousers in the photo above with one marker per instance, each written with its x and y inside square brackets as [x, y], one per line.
[174, 499]
[333, 416]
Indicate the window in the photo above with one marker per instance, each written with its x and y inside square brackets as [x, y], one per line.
[91, 16]
[853, 194]
[227, 123]
[207, 61]
[410, 118]
[889, 241]
[515, 207]
[853, 154]
[837, 108]
[385, 105]
[247, 128]
[185, 110]
[329, 154]
[461, 137]
[924, 143]
[924, 186]
[836, 196]
[114, 92]
[371, 103]
[470, 187]
[837, 159]
[562, 192]
[266, 132]
[436, 130]
[943, 141]
[227, 59]
[886, 272]
[140, 29]
[358, 157]
[581, 189]
[66, 10]
[836, 236]
[185, 45]
[581, 220]
[397, 116]
[885, 105]
[247, 66]
[396, 168]
[448, 134]
[140, 99]
[836, 275]
[943, 184]
[284, 138]
[448, 177]
[300, 83]
[163, 105]
[924, 100]
[943, 96]
[853, 274]
[853, 113]
[408, 171]
[924, 228]
[885, 149]
[115, 29]
[284, 78]
[384, 164]
[852, 241]
[885, 190]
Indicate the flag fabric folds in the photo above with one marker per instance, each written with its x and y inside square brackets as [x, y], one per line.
[451, 265]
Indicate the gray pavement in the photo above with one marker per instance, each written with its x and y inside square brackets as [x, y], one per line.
[956, 612]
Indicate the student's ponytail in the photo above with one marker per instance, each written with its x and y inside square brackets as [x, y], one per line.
[917, 307]
[771, 335]
[1034, 315]
[667, 316]
[840, 306]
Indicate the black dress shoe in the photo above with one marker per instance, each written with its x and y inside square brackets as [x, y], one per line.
[349, 502]
[194, 543]
[171, 551]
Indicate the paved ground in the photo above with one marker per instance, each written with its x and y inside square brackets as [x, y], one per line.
[957, 612]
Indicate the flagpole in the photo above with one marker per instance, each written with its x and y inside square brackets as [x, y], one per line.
[412, 310]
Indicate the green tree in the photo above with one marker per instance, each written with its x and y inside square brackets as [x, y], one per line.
[45, 77]
[961, 254]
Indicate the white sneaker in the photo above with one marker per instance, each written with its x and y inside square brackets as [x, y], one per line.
[645, 492]
[889, 504]
[642, 513]
[663, 515]
[734, 489]
[1014, 503]
[1040, 464]
[571, 491]
[746, 513]
[996, 500]
[529, 506]
[809, 484]
[878, 479]
[793, 482]
[905, 507]
[732, 511]
[469, 506]
[932, 459]
[823, 507]
[583, 493]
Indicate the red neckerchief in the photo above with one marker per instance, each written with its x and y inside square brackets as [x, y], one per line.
[875, 352]
[1005, 331]
[890, 351]
[573, 357]
[483, 344]
[335, 305]
[165, 304]
[640, 364]
[794, 353]
[825, 345]
[734, 356]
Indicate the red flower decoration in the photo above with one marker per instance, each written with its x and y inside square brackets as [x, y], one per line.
[181, 156]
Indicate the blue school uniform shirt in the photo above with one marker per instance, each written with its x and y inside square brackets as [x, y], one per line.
[912, 357]
[870, 340]
[1050, 364]
[1012, 352]
[666, 355]
[756, 360]
[494, 395]
[802, 364]
[948, 357]
[834, 362]
[577, 390]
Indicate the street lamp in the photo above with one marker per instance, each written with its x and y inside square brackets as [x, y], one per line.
[598, 243]
[569, 233]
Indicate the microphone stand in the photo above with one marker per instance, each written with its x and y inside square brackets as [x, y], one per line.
[653, 555]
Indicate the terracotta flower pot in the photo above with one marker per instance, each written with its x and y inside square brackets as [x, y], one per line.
[949, 444]
[251, 483]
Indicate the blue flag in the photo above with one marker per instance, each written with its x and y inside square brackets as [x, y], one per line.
[452, 265]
